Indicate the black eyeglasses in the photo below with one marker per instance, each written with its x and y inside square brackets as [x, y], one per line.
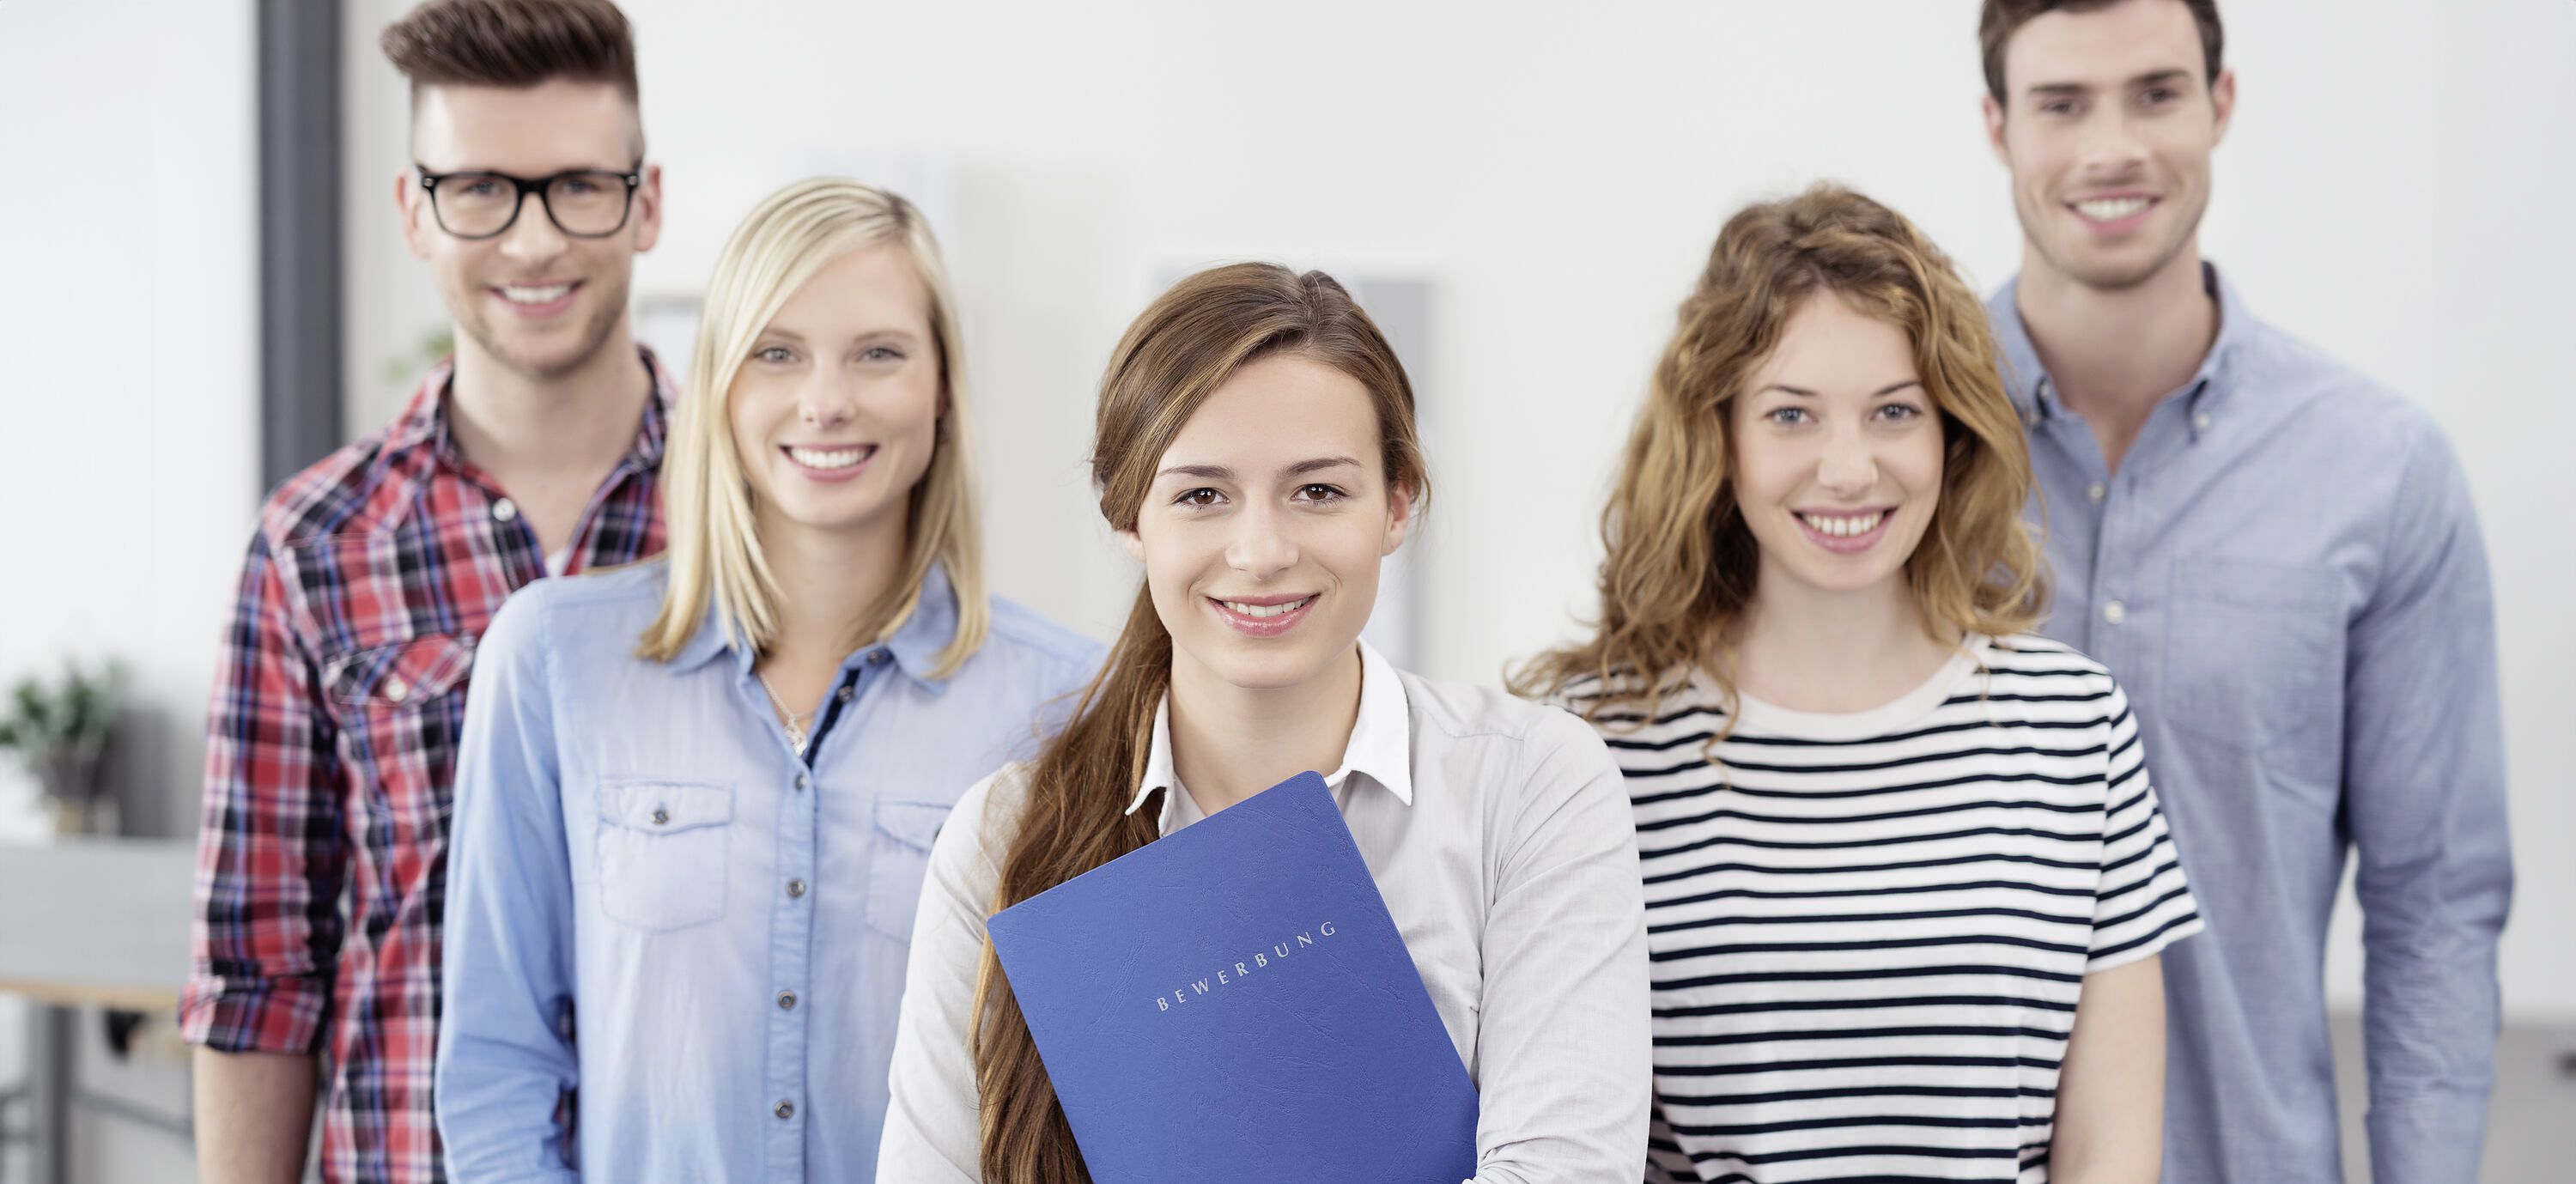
[584, 203]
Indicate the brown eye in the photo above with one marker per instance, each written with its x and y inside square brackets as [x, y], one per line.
[1198, 498]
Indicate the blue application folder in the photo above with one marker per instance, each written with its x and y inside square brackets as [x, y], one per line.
[1232, 1002]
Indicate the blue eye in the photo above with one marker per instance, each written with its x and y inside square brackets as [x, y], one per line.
[881, 353]
[1899, 411]
[1787, 416]
[774, 354]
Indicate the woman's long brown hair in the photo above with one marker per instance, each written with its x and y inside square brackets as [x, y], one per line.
[1182, 348]
[1681, 562]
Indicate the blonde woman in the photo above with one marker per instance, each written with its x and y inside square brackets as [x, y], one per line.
[1256, 452]
[696, 795]
[1905, 879]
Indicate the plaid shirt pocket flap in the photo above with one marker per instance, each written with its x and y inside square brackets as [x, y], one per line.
[401, 673]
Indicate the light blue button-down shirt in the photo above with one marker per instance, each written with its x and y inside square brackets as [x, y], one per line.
[2287, 577]
[642, 862]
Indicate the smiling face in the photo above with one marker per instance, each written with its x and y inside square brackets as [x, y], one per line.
[836, 412]
[1836, 453]
[2107, 124]
[535, 299]
[1263, 528]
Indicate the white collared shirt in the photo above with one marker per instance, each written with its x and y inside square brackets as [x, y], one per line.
[1500, 836]
[1380, 748]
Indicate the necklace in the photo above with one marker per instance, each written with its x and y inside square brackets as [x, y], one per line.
[787, 719]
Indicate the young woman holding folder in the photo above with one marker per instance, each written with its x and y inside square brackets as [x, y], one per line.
[696, 794]
[1906, 881]
[1256, 452]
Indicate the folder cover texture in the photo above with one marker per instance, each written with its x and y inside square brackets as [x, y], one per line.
[1233, 1002]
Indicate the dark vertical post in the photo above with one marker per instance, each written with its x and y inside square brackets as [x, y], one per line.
[299, 235]
[50, 1078]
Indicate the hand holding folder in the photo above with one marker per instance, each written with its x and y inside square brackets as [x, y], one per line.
[1233, 1002]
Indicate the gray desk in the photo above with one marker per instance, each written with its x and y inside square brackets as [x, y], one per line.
[88, 922]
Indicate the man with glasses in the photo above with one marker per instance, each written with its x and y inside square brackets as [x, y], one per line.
[337, 706]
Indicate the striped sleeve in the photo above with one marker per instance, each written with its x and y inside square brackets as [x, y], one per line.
[2140, 902]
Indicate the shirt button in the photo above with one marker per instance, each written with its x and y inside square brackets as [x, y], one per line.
[787, 1001]
[505, 510]
[796, 887]
[660, 816]
[877, 659]
[2115, 612]
[786, 1110]
[2097, 491]
[800, 780]
[396, 690]
[2201, 421]
[847, 694]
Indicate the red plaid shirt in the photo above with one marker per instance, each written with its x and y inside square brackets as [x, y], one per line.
[331, 752]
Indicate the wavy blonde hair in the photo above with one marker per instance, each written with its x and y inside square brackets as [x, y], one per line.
[1681, 562]
[707, 510]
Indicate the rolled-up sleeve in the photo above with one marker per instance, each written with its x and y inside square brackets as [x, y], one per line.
[2424, 790]
[272, 850]
[506, 1065]
[1562, 1039]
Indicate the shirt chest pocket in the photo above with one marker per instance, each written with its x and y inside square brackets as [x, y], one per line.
[898, 855]
[394, 700]
[662, 852]
[2254, 660]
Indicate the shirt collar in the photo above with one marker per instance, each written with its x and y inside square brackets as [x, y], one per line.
[424, 419]
[2026, 381]
[1381, 746]
[914, 647]
[424, 416]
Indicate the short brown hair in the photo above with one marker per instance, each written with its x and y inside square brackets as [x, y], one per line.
[1680, 562]
[513, 43]
[1996, 25]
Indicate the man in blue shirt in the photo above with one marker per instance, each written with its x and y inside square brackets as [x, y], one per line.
[2278, 558]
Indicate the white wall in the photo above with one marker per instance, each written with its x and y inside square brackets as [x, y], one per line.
[129, 315]
[2393, 190]
[128, 463]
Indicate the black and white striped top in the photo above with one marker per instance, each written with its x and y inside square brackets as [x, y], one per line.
[1869, 931]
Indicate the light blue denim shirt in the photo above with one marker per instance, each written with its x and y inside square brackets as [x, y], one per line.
[2287, 577]
[652, 901]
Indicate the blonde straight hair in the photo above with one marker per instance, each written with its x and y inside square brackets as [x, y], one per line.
[707, 509]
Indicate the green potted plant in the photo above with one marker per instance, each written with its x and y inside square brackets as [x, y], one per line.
[59, 729]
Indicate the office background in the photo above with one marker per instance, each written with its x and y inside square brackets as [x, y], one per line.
[1546, 178]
